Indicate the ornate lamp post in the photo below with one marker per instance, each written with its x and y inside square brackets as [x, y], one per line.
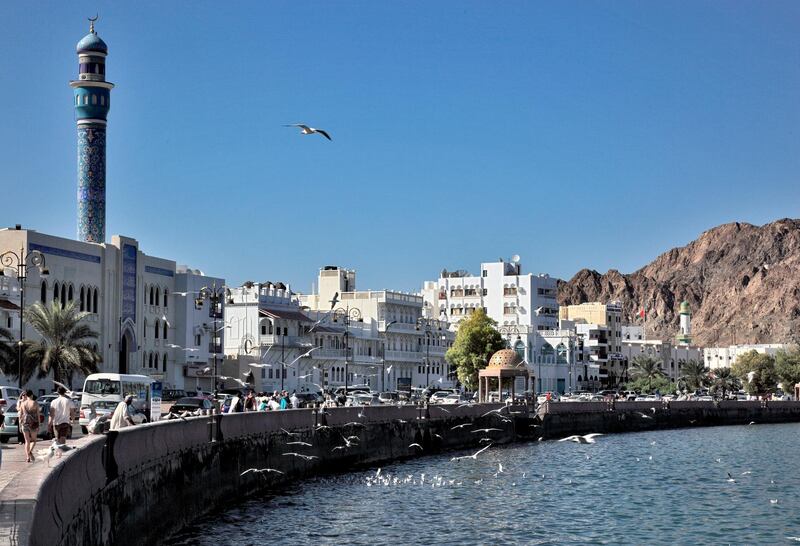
[21, 261]
[429, 328]
[346, 315]
[214, 294]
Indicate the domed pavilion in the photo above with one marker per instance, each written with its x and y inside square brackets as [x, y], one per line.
[504, 366]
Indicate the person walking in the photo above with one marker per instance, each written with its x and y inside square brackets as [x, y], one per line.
[123, 414]
[294, 400]
[61, 417]
[29, 413]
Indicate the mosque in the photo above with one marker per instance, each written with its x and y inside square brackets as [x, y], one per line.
[143, 307]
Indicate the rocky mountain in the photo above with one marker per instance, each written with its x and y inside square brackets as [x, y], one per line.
[742, 282]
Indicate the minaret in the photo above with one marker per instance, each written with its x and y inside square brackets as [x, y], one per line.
[685, 333]
[92, 102]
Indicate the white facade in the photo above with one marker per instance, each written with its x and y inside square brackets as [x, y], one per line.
[128, 295]
[725, 357]
[412, 350]
[523, 305]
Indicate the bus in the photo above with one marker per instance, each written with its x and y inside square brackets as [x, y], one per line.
[102, 392]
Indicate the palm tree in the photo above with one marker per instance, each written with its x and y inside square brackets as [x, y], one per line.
[724, 381]
[64, 346]
[647, 369]
[694, 374]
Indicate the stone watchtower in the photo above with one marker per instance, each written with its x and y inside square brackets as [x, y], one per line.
[685, 332]
[92, 102]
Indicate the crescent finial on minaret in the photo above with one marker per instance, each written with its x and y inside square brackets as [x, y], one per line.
[91, 22]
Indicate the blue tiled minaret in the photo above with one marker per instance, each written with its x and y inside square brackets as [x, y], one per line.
[92, 102]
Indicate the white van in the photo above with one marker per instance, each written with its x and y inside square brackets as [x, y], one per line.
[102, 392]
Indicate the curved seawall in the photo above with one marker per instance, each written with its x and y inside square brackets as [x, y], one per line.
[142, 484]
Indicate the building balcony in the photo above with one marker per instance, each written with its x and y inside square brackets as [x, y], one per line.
[287, 341]
[404, 356]
[403, 327]
[322, 354]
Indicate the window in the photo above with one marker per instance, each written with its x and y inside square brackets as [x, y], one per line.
[145, 294]
[94, 99]
[144, 361]
[263, 329]
[152, 295]
[102, 100]
[197, 340]
[285, 331]
[158, 296]
[69, 294]
[63, 295]
[157, 328]
[165, 297]
[150, 361]
[43, 292]
[56, 293]
[144, 330]
[94, 300]
[165, 330]
[83, 299]
[164, 364]
[485, 273]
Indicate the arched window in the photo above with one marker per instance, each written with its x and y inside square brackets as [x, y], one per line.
[164, 364]
[69, 293]
[157, 328]
[94, 99]
[83, 299]
[158, 296]
[94, 301]
[144, 361]
[166, 293]
[56, 292]
[144, 331]
[102, 100]
[145, 294]
[150, 361]
[152, 295]
[165, 330]
[43, 292]
[63, 295]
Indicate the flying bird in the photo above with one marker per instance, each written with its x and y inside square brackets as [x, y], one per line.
[254, 365]
[334, 300]
[307, 353]
[306, 130]
[415, 445]
[305, 444]
[300, 455]
[588, 439]
[260, 471]
[462, 425]
[473, 456]
[730, 478]
[389, 369]
[487, 430]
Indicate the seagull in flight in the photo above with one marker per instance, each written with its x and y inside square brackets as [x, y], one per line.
[260, 471]
[486, 430]
[304, 444]
[306, 130]
[588, 439]
[415, 445]
[307, 353]
[254, 365]
[730, 478]
[389, 369]
[306, 457]
[462, 425]
[473, 456]
[334, 300]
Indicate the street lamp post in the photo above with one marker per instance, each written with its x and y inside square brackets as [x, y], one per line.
[21, 261]
[346, 315]
[428, 327]
[383, 357]
[215, 295]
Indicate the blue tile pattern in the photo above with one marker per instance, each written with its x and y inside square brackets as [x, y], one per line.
[129, 253]
[64, 253]
[92, 183]
[159, 271]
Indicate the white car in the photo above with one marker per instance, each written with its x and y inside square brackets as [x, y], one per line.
[8, 396]
[455, 398]
[439, 396]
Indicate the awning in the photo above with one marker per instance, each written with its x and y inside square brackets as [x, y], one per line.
[285, 314]
[5, 304]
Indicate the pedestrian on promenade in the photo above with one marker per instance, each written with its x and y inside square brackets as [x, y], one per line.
[284, 400]
[123, 414]
[294, 400]
[250, 402]
[61, 417]
[20, 400]
[29, 423]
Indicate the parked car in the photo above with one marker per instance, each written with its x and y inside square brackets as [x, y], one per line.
[456, 398]
[9, 395]
[439, 396]
[191, 403]
[171, 395]
[389, 397]
[10, 425]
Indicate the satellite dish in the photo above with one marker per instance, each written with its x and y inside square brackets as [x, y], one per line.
[515, 258]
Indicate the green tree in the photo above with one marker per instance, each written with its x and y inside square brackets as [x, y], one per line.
[477, 340]
[646, 374]
[64, 346]
[724, 381]
[695, 374]
[787, 367]
[756, 371]
[644, 385]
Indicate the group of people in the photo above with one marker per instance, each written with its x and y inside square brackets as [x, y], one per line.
[59, 422]
[278, 400]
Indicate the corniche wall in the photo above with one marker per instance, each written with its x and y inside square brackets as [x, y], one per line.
[142, 484]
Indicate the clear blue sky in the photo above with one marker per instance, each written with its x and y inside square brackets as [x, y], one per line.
[576, 134]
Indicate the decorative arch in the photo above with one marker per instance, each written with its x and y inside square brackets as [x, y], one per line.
[43, 292]
[165, 330]
[94, 301]
[164, 363]
[83, 298]
[158, 295]
[166, 297]
[157, 328]
[152, 295]
[70, 293]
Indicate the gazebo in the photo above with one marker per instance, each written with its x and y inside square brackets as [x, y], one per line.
[503, 365]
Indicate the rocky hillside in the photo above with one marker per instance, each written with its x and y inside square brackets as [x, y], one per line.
[742, 282]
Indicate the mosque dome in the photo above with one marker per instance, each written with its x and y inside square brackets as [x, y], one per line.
[506, 359]
[91, 42]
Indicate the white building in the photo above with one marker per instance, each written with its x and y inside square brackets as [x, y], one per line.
[130, 298]
[523, 305]
[725, 357]
[412, 347]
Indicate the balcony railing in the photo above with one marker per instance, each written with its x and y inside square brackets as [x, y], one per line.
[288, 341]
[406, 356]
